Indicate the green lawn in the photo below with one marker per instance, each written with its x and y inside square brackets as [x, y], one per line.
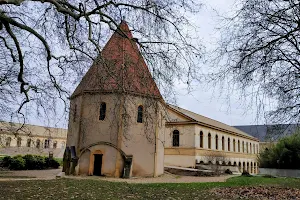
[96, 189]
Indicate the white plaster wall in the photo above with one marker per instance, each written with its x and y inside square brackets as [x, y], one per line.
[186, 136]
[180, 160]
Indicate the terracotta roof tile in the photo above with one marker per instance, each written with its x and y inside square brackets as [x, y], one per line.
[120, 67]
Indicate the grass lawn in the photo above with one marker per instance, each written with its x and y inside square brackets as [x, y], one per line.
[96, 189]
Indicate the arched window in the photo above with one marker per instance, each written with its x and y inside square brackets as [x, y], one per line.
[250, 148]
[54, 144]
[217, 142]
[239, 146]
[233, 145]
[102, 111]
[175, 138]
[19, 142]
[209, 140]
[63, 145]
[223, 143]
[228, 144]
[47, 144]
[201, 139]
[140, 114]
[28, 142]
[8, 141]
[243, 146]
[257, 150]
[247, 147]
[38, 143]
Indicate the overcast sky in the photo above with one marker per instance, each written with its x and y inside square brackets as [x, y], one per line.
[204, 99]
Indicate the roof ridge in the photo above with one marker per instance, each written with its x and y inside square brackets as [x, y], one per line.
[236, 129]
[120, 67]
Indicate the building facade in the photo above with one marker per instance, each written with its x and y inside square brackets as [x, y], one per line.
[120, 126]
[31, 139]
[192, 140]
[113, 122]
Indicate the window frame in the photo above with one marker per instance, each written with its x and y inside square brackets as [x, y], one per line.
[201, 139]
[176, 138]
[140, 114]
[102, 112]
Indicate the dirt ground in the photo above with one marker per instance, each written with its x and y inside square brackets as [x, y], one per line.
[29, 174]
[51, 174]
[166, 178]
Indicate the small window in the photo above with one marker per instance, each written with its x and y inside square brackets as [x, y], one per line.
[28, 142]
[217, 142]
[38, 143]
[223, 143]
[243, 146]
[54, 145]
[46, 144]
[19, 142]
[102, 111]
[239, 146]
[228, 144]
[176, 138]
[209, 140]
[140, 114]
[8, 141]
[201, 139]
[233, 145]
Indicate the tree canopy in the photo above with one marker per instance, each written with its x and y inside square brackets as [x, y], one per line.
[260, 50]
[285, 154]
[47, 45]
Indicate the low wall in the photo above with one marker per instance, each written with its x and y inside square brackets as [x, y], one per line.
[280, 172]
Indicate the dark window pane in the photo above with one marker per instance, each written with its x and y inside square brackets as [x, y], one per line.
[140, 114]
[102, 111]
[201, 139]
[176, 138]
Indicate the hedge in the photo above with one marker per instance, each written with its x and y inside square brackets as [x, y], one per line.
[284, 155]
[29, 162]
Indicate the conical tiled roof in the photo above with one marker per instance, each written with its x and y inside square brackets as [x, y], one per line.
[120, 68]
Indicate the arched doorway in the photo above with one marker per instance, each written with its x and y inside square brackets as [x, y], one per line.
[99, 156]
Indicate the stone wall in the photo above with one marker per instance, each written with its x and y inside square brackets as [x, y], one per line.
[280, 172]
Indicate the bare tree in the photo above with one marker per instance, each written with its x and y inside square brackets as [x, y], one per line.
[259, 49]
[215, 160]
[46, 46]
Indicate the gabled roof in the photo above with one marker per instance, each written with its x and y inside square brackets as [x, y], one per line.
[193, 117]
[119, 68]
[269, 133]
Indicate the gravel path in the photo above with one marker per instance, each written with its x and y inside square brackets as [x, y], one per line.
[51, 174]
[29, 174]
[166, 178]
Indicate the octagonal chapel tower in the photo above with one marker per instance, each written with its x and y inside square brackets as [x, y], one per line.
[115, 122]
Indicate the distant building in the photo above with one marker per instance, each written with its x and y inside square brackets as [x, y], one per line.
[268, 135]
[31, 139]
[120, 124]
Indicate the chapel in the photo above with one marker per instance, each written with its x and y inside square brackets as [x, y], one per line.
[120, 125]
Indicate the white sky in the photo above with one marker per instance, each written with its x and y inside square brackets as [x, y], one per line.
[207, 100]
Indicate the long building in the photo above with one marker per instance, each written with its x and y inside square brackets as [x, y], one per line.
[18, 139]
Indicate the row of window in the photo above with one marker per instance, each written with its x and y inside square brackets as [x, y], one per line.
[245, 145]
[37, 144]
[102, 113]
